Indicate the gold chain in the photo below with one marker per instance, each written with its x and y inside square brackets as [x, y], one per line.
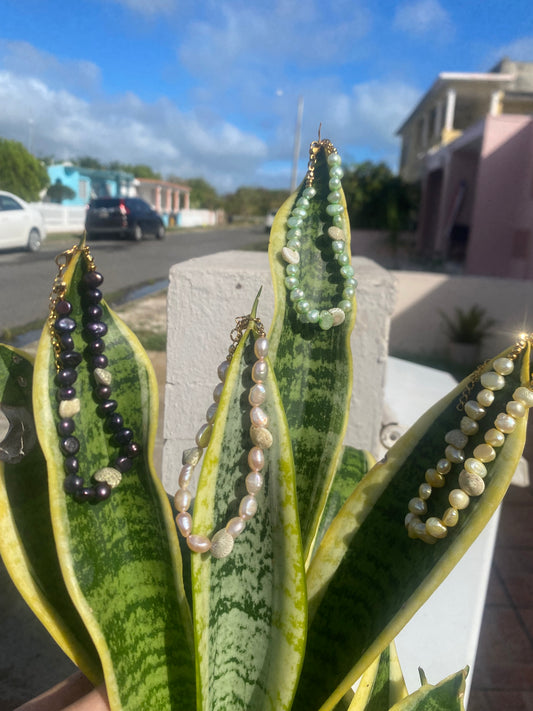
[314, 150]
[242, 323]
[518, 347]
[59, 288]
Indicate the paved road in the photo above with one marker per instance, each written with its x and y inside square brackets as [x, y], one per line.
[25, 279]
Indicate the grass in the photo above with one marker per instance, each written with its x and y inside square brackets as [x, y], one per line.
[152, 341]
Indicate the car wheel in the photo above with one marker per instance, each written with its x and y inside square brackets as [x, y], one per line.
[137, 233]
[34, 240]
[160, 234]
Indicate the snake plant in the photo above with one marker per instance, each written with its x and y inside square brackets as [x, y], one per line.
[341, 552]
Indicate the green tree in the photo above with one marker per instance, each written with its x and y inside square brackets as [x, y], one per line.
[139, 170]
[59, 192]
[20, 172]
[88, 162]
[203, 194]
[251, 201]
[378, 199]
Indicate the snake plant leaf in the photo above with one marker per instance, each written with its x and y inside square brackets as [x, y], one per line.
[446, 696]
[250, 610]
[120, 557]
[382, 685]
[368, 576]
[354, 464]
[313, 367]
[26, 540]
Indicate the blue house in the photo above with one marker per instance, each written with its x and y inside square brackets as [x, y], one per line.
[88, 183]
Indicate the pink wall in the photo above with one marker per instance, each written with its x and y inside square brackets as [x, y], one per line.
[502, 219]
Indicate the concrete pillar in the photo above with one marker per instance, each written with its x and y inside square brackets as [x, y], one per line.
[168, 199]
[204, 297]
[158, 198]
[186, 200]
[495, 108]
[176, 202]
[451, 96]
[439, 110]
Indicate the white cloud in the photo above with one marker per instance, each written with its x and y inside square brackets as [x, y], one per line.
[420, 18]
[129, 130]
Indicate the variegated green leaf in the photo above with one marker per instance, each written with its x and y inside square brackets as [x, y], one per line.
[313, 367]
[447, 696]
[382, 685]
[368, 577]
[353, 466]
[120, 558]
[250, 607]
[26, 541]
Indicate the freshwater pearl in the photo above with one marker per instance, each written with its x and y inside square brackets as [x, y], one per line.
[474, 466]
[222, 544]
[485, 397]
[258, 417]
[334, 196]
[492, 380]
[336, 233]
[469, 426]
[409, 518]
[485, 453]
[254, 482]
[191, 456]
[259, 371]
[217, 392]
[334, 159]
[296, 294]
[503, 366]
[456, 438]
[325, 320]
[184, 523]
[303, 202]
[261, 347]
[257, 395]
[417, 506]
[204, 435]
[505, 423]
[524, 395]
[472, 484]
[198, 543]
[443, 466]
[338, 316]
[458, 499]
[454, 455]
[211, 412]
[474, 410]
[424, 491]
[256, 458]
[235, 526]
[69, 408]
[494, 437]
[451, 517]
[290, 256]
[436, 528]
[182, 499]
[295, 221]
[338, 246]
[102, 376]
[222, 370]
[248, 507]
[261, 437]
[109, 475]
[185, 476]
[435, 478]
[309, 192]
[515, 409]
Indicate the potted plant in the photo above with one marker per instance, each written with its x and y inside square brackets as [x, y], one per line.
[467, 329]
[303, 559]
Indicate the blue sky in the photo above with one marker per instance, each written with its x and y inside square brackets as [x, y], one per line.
[210, 88]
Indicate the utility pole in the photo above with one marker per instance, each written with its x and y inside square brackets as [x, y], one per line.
[297, 140]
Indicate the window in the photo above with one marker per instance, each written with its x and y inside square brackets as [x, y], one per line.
[7, 203]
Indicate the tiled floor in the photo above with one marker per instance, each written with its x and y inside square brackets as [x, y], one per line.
[503, 674]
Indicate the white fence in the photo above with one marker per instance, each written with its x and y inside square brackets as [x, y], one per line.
[62, 218]
[197, 218]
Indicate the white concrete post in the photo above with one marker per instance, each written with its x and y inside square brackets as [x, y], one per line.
[204, 297]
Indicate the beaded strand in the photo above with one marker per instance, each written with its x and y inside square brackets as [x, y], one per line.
[325, 318]
[222, 542]
[67, 359]
[471, 477]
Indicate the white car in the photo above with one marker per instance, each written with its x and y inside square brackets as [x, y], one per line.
[21, 225]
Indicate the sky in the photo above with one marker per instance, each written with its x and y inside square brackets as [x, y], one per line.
[210, 88]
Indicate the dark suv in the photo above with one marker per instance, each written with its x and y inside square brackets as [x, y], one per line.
[125, 217]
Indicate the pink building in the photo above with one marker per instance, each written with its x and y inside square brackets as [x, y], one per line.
[470, 143]
[166, 198]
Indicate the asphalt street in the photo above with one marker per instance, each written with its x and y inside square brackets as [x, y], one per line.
[26, 279]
